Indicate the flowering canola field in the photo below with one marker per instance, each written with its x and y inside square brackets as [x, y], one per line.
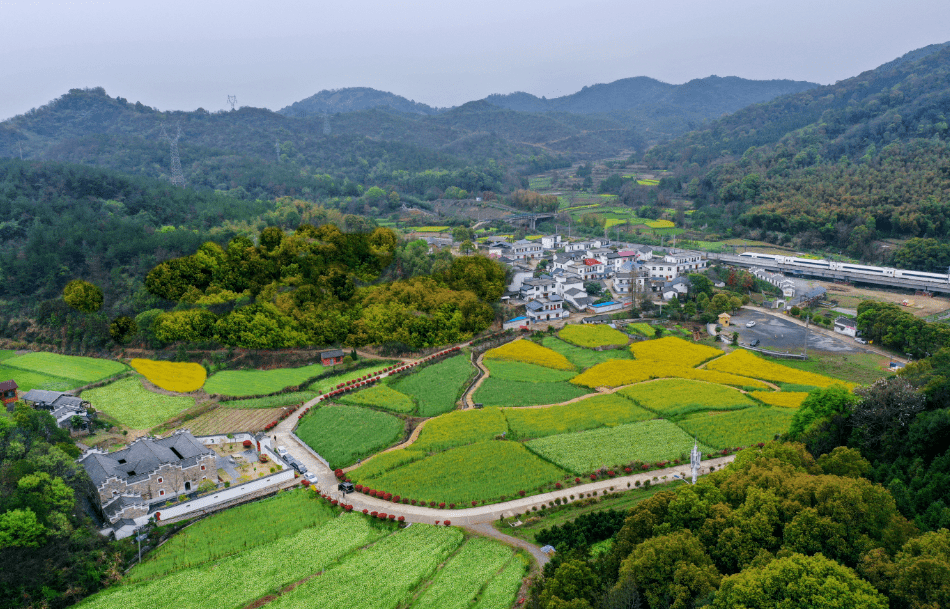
[592, 335]
[746, 363]
[616, 373]
[180, 377]
[785, 399]
[673, 350]
[589, 413]
[676, 397]
[530, 353]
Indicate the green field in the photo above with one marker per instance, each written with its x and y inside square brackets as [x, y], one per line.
[589, 413]
[343, 434]
[677, 397]
[6, 354]
[436, 388]
[382, 397]
[461, 427]
[593, 335]
[581, 357]
[861, 368]
[586, 451]
[135, 407]
[233, 531]
[26, 380]
[464, 574]
[521, 371]
[500, 392]
[259, 382]
[741, 428]
[481, 471]
[83, 369]
[272, 401]
[238, 580]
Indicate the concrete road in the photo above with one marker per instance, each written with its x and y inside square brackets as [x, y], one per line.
[779, 333]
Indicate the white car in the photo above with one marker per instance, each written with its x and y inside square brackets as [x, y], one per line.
[750, 324]
[310, 477]
[860, 340]
[281, 451]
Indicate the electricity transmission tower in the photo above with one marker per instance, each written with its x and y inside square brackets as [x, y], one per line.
[326, 123]
[277, 147]
[232, 99]
[178, 179]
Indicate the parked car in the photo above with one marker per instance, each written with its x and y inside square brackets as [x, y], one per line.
[751, 324]
[754, 343]
[311, 477]
[860, 340]
[282, 451]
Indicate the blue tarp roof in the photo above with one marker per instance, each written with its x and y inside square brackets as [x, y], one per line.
[604, 304]
[516, 319]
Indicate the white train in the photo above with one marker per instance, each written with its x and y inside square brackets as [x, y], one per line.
[846, 267]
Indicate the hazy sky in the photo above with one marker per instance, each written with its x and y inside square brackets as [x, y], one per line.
[176, 54]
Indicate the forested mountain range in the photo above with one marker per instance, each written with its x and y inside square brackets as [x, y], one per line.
[836, 166]
[352, 99]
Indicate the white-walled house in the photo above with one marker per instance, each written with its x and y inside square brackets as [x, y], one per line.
[538, 288]
[525, 250]
[672, 266]
[551, 242]
[546, 309]
[846, 326]
[591, 268]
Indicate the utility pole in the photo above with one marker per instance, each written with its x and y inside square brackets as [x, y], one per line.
[20, 144]
[326, 123]
[807, 319]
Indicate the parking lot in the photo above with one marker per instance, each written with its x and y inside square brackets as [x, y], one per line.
[777, 333]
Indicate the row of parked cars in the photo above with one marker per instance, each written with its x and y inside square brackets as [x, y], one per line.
[297, 465]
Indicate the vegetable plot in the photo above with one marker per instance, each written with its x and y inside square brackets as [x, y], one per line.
[381, 397]
[83, 369]
[464, 575]
[586, 451]
[343, 434]
[436, 388]
[591, 335]
[259, 382]
[133, 405]
[530, 353]
[742, 428]
[589, 413]
[784, 399]
[676, 397]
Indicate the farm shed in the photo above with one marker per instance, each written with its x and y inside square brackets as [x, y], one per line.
[331, 357]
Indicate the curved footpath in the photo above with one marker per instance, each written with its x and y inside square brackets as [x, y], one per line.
[327, 483]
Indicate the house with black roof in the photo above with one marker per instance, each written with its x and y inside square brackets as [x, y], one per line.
[129, 481]
[62, 406]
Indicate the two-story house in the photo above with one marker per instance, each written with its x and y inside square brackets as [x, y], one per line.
[525, 250]
[551, 242]
[538, 288]
[672, 266]
[9, 393]
[590, 269]
[129, 481]
[546, 309]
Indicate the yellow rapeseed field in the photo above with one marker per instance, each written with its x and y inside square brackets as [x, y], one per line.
[745, 363]
[785, 399]
[674, 351]
[530, 353]
[616, 373]
[172, 376]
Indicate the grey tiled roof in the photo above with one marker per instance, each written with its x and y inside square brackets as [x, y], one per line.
[144, 456]
[51, 399]
[120, 503]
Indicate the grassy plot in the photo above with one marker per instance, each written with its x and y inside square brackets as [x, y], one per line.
[382, 576]
[519, 371]
[233, 531]
[583, 358]
[593, 335]
[272, 401]
[259, 382]
[586, 451]
[238, 580]
[132, 405]
[747, 363]
[436, 388]
[529, 353]
[484, 470]
[677, 397]
[84, 369]
[343, 434]
[27, 379]
[741, 428]
[461, 427]
[458, 582]
[499, 392]
[861, 368]
[386, 462]
[589, 413]
[382, 397]
[6, 354]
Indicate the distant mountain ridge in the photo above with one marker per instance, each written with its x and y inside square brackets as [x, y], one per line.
[353, 99]
[718, 94]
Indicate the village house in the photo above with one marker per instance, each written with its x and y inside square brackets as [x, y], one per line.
[128, 481]
[9, 393]
[63, 407]
[551, 242]
[591, 268]
[546, 309]
[331, 357]
[537, 288]
[846, 326]
[672, 266]
[525, 250]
